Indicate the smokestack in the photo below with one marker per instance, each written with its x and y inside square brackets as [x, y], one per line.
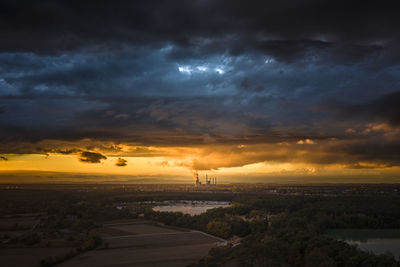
[196, 178]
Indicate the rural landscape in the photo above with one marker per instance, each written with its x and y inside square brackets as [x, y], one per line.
[265, 225]
[163, 133]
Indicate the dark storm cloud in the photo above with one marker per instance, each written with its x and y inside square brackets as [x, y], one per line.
[386, 152]
[121, 162]
[381, 108]
[191, 73]
[91, 157]
[122, 100]
[51, 26]
[384, 108]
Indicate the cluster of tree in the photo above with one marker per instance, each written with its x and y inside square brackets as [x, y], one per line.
[295, 241]
[222, 222]
[92, 241]
[296, 234]
[91, 210]
[305, 250]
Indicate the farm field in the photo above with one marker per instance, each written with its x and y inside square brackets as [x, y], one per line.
[143, 243]
[19, 255]
[29, 256]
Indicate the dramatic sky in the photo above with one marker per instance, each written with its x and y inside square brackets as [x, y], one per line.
[244, 90]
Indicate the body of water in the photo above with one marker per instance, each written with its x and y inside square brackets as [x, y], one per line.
[377, 241]
[190, 207]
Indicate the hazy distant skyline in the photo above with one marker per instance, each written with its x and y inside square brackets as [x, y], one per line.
[247, 90]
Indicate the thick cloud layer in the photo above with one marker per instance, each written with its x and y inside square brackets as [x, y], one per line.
[77, 75]
[67, 25]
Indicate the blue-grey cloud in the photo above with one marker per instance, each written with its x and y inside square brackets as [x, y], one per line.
[187, 72]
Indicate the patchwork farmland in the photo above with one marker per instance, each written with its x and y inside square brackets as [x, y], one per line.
[145, 243]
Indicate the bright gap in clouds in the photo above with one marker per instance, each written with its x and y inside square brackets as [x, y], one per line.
[219, 70]
[269, 60]
[185, 69]
[189, 70]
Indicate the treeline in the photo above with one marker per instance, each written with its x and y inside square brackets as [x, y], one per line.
[296, 232]
[331, 212]
[301, 249]
[176, 196]
[294, 240]
[222, 222]
[359, 211]
[92, 241]
[35, 200]
[90, 210]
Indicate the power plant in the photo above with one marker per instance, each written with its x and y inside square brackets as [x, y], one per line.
[210, 181]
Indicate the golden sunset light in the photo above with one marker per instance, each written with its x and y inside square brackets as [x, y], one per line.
[199, 133]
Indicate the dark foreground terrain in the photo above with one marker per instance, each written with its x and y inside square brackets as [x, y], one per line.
[267, 225]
